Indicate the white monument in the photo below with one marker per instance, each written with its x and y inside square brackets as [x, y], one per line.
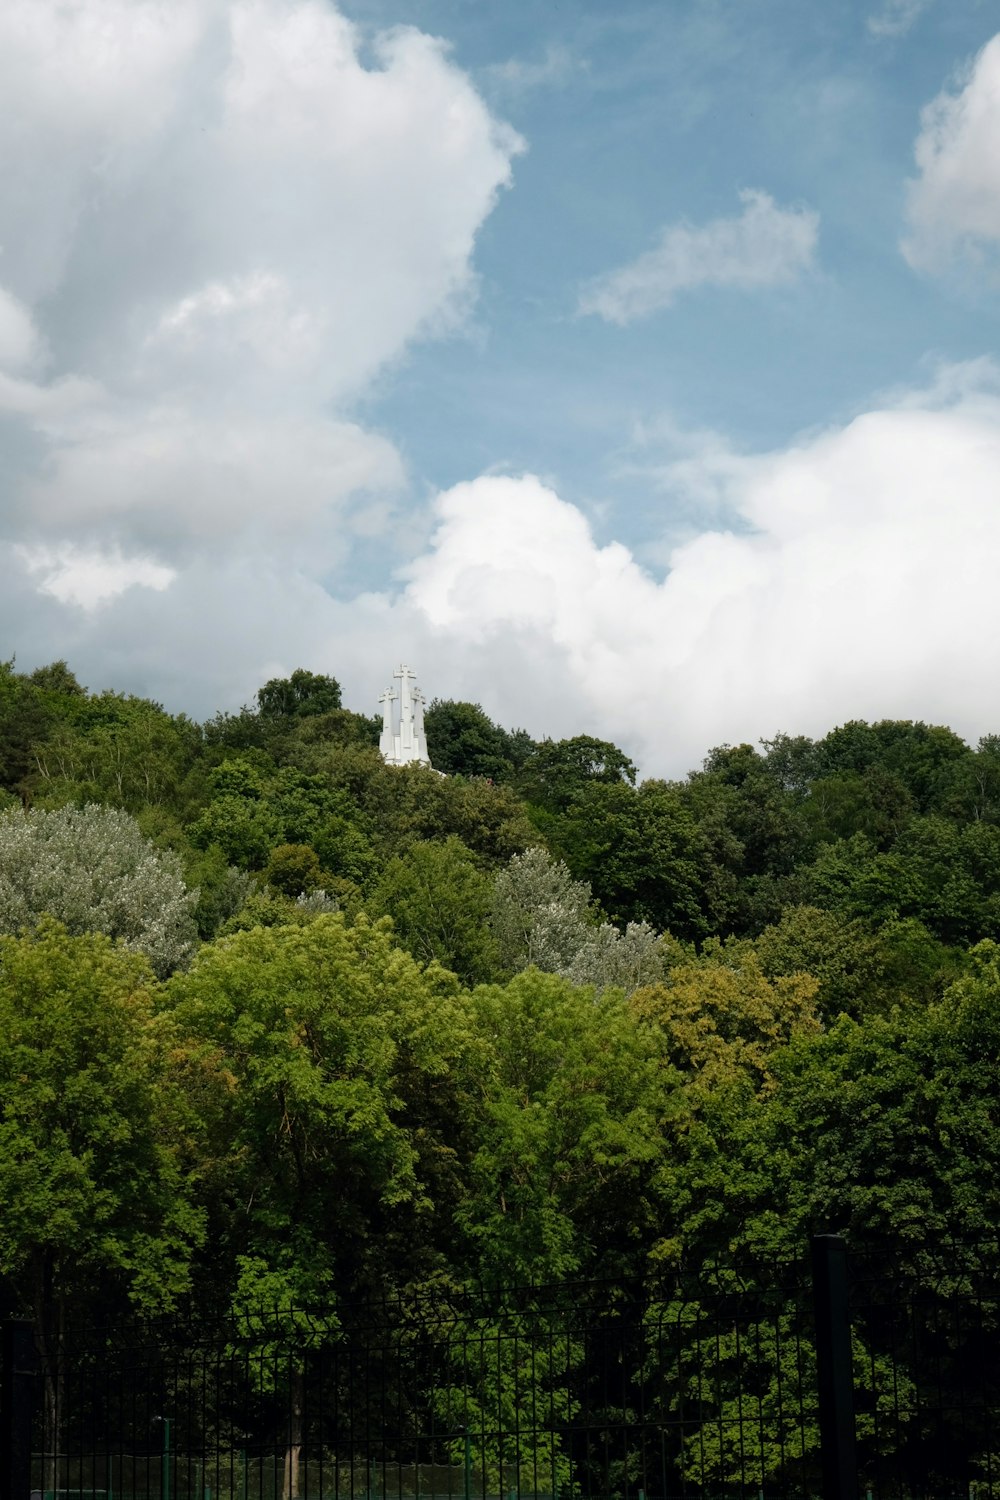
[403, 742]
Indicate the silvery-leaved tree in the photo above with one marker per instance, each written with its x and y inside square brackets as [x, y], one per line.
[92, 870]
[542, 918]
[540, 913]
[609, 959]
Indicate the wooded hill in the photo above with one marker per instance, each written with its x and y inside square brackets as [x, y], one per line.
[279, 1022]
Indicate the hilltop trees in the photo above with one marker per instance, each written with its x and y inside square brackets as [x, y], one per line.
[300, 696]
[316, 1031]
[391, 1029]
[463, 741]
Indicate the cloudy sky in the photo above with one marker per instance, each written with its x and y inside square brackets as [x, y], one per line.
[631, 368]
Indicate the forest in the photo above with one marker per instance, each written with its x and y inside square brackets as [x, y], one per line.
[282, 1025]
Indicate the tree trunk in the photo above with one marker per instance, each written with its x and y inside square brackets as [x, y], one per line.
[296, 1402]
[49, 1323]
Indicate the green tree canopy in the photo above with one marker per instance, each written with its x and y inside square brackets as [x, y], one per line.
[884, 1128]
[26, 719]
[944, 875]
[556, 771]
[724, 1021]
[641, 852]
[861, 967]
[57, 678]
[463, 741]
[113, 748]
[301, 695]
[439, 902]
[341, 1053]
[93, 1178]
[923, 757]
[572, 1115]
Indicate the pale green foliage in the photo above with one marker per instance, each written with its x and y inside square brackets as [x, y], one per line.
[92, 870]
[609, 959]
[270, 908]
[317, 902]
[539, 914]
[724, 1022]
[541, 918]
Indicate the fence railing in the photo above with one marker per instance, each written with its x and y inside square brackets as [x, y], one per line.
[837, 1375]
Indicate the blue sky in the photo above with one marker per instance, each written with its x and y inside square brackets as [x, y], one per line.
[632, 367]
[637, 116]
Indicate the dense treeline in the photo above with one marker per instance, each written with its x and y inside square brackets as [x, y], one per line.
[279, 1022]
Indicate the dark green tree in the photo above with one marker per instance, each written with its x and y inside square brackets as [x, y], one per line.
[923, 757]
[301, 695]
[293, 869]
[641, 852]
[463, 741]
[26, 719]
[57, 678]
[556, 771]
[439, 902]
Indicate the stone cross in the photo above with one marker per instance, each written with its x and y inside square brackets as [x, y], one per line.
[403, 741]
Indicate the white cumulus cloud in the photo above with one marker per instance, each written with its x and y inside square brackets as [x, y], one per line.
[20, 345]
[91, 578]
[854, 578]
[763, 246]
[954, 203]
[857, 580]
[219, 225]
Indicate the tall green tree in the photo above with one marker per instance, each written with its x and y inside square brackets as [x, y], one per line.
[26, 718]
[95, 1178]
[341, 1053]
[571, 1116]
[463, 741]
[923, 757]
[641, 852]
[439, 902]
[557, 771]
[303, 694]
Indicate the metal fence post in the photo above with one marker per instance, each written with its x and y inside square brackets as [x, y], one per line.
[835, 1376]
[17, 1375]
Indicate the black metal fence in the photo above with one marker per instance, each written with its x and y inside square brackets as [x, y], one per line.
[830, 1376]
